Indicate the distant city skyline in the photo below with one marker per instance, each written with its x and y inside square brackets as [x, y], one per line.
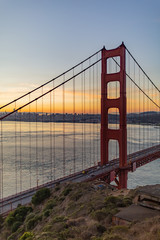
[132, 118]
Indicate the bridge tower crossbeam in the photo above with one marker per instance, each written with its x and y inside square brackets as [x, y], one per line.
[120, 103]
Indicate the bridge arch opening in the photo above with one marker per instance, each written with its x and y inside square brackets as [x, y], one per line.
[113, 118]
[113, 90]
[113, 65]
[113, 146]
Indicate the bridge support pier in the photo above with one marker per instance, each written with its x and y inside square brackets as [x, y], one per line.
[120, 103]
[123, 176]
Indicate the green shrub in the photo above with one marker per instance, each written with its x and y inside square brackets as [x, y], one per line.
[46, 213]
[26, 236]
[59, 219]
[62, 198]
[29, 216]
[158, 235]
[127, 201]
[21, 212]
[30, 224]
[112, 201]
[41, 195]
[15, 226]
[119, 228]
[96, 238]
[66, 191]
[13, 236]
[99, 215]
[50, 204]
[33, 222]
[18, 215]
[113, 237]
[47, 227]
[101, 229]
[76, 195]
[57, 188]
[38, 218]
[65, 234]
[9, 220]
[20, 229]
[1, 220]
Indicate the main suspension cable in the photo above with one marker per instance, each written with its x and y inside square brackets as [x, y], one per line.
[142, 69]
[139, 87]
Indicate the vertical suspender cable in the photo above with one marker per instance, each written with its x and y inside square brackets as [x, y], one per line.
[15, 148]
[147, 126]
[36, 136]
[74, 127]
[84, 119]
[54, 136]
[97, 122]
[64, 164]
[152, 143]
[82, 153]
[50, 137]
[90, 111]
[135, 110]
[143, 113]
[132, 108]
[148, 116]
[1, 164]
[129, 128]
[131, 111]
[150, 127]
[42, 179]
[159, 115]
[20, 154]
[30, 178]
[93, 116]
[117, 120]
[139, 109]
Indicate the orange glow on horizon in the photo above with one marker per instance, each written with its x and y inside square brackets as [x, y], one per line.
[84, 103]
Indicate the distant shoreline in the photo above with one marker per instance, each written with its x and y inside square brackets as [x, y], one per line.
[144, 118]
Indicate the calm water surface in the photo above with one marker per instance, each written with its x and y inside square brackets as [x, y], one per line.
[35, 153]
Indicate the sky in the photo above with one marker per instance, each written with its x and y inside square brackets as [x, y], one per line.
[39, 39]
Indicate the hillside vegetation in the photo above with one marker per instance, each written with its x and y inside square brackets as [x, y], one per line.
[80, 211]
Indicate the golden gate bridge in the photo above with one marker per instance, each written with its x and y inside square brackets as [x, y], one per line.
[97, 120]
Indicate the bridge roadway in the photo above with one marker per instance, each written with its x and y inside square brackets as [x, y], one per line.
[134, 161]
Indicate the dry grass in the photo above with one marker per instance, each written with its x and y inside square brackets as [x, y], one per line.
[81, 211]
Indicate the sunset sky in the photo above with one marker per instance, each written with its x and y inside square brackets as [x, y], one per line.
[39, 39]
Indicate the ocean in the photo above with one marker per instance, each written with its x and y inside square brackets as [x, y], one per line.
[35, 153]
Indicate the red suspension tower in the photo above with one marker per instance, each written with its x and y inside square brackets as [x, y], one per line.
[114, 134]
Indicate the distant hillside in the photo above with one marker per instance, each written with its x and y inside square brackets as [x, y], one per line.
[76, 211]
[144, 118]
